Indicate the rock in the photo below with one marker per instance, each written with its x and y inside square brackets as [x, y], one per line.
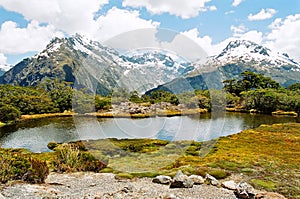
[231, 185]
[269, 195]
[181, 181]
[211, 180]
[127, 189]
[196, 179]
[245, 191]
[161, 179]
[1, 196]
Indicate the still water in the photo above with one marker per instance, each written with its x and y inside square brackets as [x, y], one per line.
[35, 135]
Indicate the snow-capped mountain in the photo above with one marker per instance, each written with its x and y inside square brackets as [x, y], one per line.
[238, 56]
[90, 64]
[259, 56]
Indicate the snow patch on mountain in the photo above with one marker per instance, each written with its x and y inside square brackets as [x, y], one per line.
[249, 53]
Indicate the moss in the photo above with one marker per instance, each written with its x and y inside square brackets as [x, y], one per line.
[2, 124]
[269, 185]
[219, 174]
[124, 176]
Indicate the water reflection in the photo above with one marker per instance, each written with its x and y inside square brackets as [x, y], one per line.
[34, 135]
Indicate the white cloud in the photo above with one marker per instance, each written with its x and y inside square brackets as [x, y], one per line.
[229, 12]
[236, 3]
[70, 16]
[3, 59]
[262, 15]
[34, 37]
[205, 42]
[213, 49]
[182, 8]
[212, 8]
[284, 36]
[238, 30]
[252, 35]
[117, 21]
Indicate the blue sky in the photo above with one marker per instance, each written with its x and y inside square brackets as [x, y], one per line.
[26, 26]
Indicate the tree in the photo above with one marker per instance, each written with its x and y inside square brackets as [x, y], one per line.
[8, 113]
[249, 81]
[294, 87]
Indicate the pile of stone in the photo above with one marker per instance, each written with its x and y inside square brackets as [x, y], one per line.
[242, 190]
[135, 108]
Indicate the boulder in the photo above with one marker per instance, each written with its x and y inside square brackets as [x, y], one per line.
[211, 180]
[181, 181]
[161, 179]
[196, 179]
[231, 185]
[245, 191]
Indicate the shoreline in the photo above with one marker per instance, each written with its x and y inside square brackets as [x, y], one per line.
[160, 113]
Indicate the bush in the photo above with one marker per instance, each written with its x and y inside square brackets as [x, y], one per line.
[8, 113]
[69, 158]
[18, 166]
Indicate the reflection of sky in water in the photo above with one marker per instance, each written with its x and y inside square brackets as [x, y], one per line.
[36, 136]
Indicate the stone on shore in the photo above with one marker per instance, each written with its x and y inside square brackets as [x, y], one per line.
[196, 179]
[245, 191]
[269, 195]
[161, 179]
[211, 180]
[181, 181]
[231, 185]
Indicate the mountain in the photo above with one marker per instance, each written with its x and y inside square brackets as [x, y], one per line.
[238, 56]
[89, 64]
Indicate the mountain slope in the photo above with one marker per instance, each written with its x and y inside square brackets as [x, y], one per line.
[238, 56]
[92, 65]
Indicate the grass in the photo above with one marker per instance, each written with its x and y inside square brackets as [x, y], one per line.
[2, 124]
[268, 185]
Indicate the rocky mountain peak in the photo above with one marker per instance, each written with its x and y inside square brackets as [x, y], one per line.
[250, 52]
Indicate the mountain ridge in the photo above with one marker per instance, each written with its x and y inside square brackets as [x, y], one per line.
[90, 64]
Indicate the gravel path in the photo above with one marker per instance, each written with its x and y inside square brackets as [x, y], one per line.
[97, 185]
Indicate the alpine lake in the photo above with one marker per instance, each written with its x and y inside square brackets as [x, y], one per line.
[34, 135]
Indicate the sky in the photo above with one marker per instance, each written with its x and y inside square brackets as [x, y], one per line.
[27, 26]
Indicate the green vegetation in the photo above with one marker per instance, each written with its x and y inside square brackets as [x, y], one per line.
[255, 91]
[17, 164]
[9, 113]
[249, 81]
[49, 97]
[74, 157]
